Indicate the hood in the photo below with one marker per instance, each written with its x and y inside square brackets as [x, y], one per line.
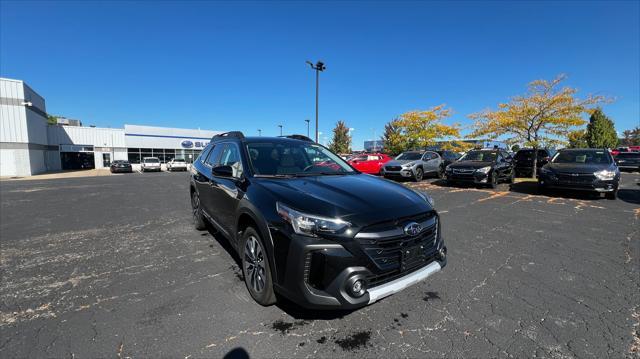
[360, 199]
[578, 167]
[470, 164]
[398, 162]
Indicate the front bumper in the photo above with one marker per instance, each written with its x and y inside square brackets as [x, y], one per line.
[403, 173]
[595, 185]
[319, 274]
[472, 177]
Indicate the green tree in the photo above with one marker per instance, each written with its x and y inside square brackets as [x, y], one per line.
[515, 148]
[631, 137]
[423, 128]
[393, 140]
[577, 139]
[341, 142]
[601, 132]
[543, 116]
[52, 120]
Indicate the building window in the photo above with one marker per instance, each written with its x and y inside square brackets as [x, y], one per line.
[134, 157]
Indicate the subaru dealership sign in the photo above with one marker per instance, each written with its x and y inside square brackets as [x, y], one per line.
[187, 144]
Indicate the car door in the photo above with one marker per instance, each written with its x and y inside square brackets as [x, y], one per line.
[430, 162]
[203, 176]
[228, 191]
[502, 165]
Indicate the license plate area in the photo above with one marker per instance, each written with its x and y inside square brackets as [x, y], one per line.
[412, 256]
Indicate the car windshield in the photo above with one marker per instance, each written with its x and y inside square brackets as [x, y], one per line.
[294, 158]
[151, 160]
[409, 156]
[586, 156]
[479, 156]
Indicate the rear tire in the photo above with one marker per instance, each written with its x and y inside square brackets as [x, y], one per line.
[440, 173]
[417, 177]
[255, 268]
[198, 218]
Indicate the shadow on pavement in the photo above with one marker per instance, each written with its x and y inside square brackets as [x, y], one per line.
[237, 353]
[531, 188]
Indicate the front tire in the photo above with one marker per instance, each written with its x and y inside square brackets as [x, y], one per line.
[417, 177]
[512, 178]
[494, 180]
[256, 269]
[611, 195]
[198, 217]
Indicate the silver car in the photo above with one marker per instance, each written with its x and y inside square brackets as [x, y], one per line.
[414, 165]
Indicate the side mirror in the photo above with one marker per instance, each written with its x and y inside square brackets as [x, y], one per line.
[222, 171]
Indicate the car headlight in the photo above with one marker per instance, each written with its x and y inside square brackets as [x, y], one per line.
[427, 198]
[310, 225]
[407, 165]
[605, 175]
[484, 170]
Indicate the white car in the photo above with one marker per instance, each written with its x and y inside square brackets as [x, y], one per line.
[177, 164]
[150, 164]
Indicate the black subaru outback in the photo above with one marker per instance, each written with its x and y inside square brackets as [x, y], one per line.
[311, 228]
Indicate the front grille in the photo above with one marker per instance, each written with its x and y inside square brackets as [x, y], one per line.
[393, 168]
[387, 252]
[576, 178]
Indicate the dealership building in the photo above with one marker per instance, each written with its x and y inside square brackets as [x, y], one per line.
[29, 145]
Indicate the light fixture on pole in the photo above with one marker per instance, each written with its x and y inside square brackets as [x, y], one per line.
[259, 132]
[280, 129]
[319, 66]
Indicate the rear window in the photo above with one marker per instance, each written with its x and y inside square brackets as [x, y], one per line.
[528, 154]
[635, 155]
[151, 160]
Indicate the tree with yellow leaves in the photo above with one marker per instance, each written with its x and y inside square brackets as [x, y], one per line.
[423, 128]
[545, 115]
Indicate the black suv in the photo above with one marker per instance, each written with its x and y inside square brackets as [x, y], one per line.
[481, 167]
[310, 227]
[523, 161]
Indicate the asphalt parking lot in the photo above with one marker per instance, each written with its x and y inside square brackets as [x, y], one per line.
[111, 266]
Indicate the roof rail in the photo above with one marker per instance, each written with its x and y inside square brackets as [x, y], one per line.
[236, 134]
[298, 137]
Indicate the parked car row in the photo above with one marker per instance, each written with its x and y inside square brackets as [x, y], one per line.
[148, 164]
[593, 170]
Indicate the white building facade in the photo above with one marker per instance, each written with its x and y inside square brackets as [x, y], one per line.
[28, 145]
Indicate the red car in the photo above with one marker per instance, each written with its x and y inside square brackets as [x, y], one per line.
[369, 163]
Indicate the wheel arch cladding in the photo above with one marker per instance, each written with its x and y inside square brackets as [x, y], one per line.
[247, 219]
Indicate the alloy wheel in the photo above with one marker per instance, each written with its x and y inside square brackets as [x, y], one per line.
[254, 266]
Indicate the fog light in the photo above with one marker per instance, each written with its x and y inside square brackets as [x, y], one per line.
[357, 289]
[442, 253]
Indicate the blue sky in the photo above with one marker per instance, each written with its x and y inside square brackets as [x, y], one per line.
[241, 66]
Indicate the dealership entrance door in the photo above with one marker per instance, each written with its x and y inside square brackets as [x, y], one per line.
[74, 157]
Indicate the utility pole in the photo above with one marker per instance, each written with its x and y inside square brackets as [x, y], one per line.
[280, 129]
[319, 66]
[307, 121]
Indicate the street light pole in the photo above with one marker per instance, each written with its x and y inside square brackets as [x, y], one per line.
[319, 66]
[307, 121]
[259, 132]
[280, 129]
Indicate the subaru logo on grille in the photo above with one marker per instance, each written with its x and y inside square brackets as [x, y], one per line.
[575, 174]
[412, 229]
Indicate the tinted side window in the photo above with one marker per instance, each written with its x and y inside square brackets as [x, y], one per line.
[231, 157]
[203, 155]
[214, 156]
